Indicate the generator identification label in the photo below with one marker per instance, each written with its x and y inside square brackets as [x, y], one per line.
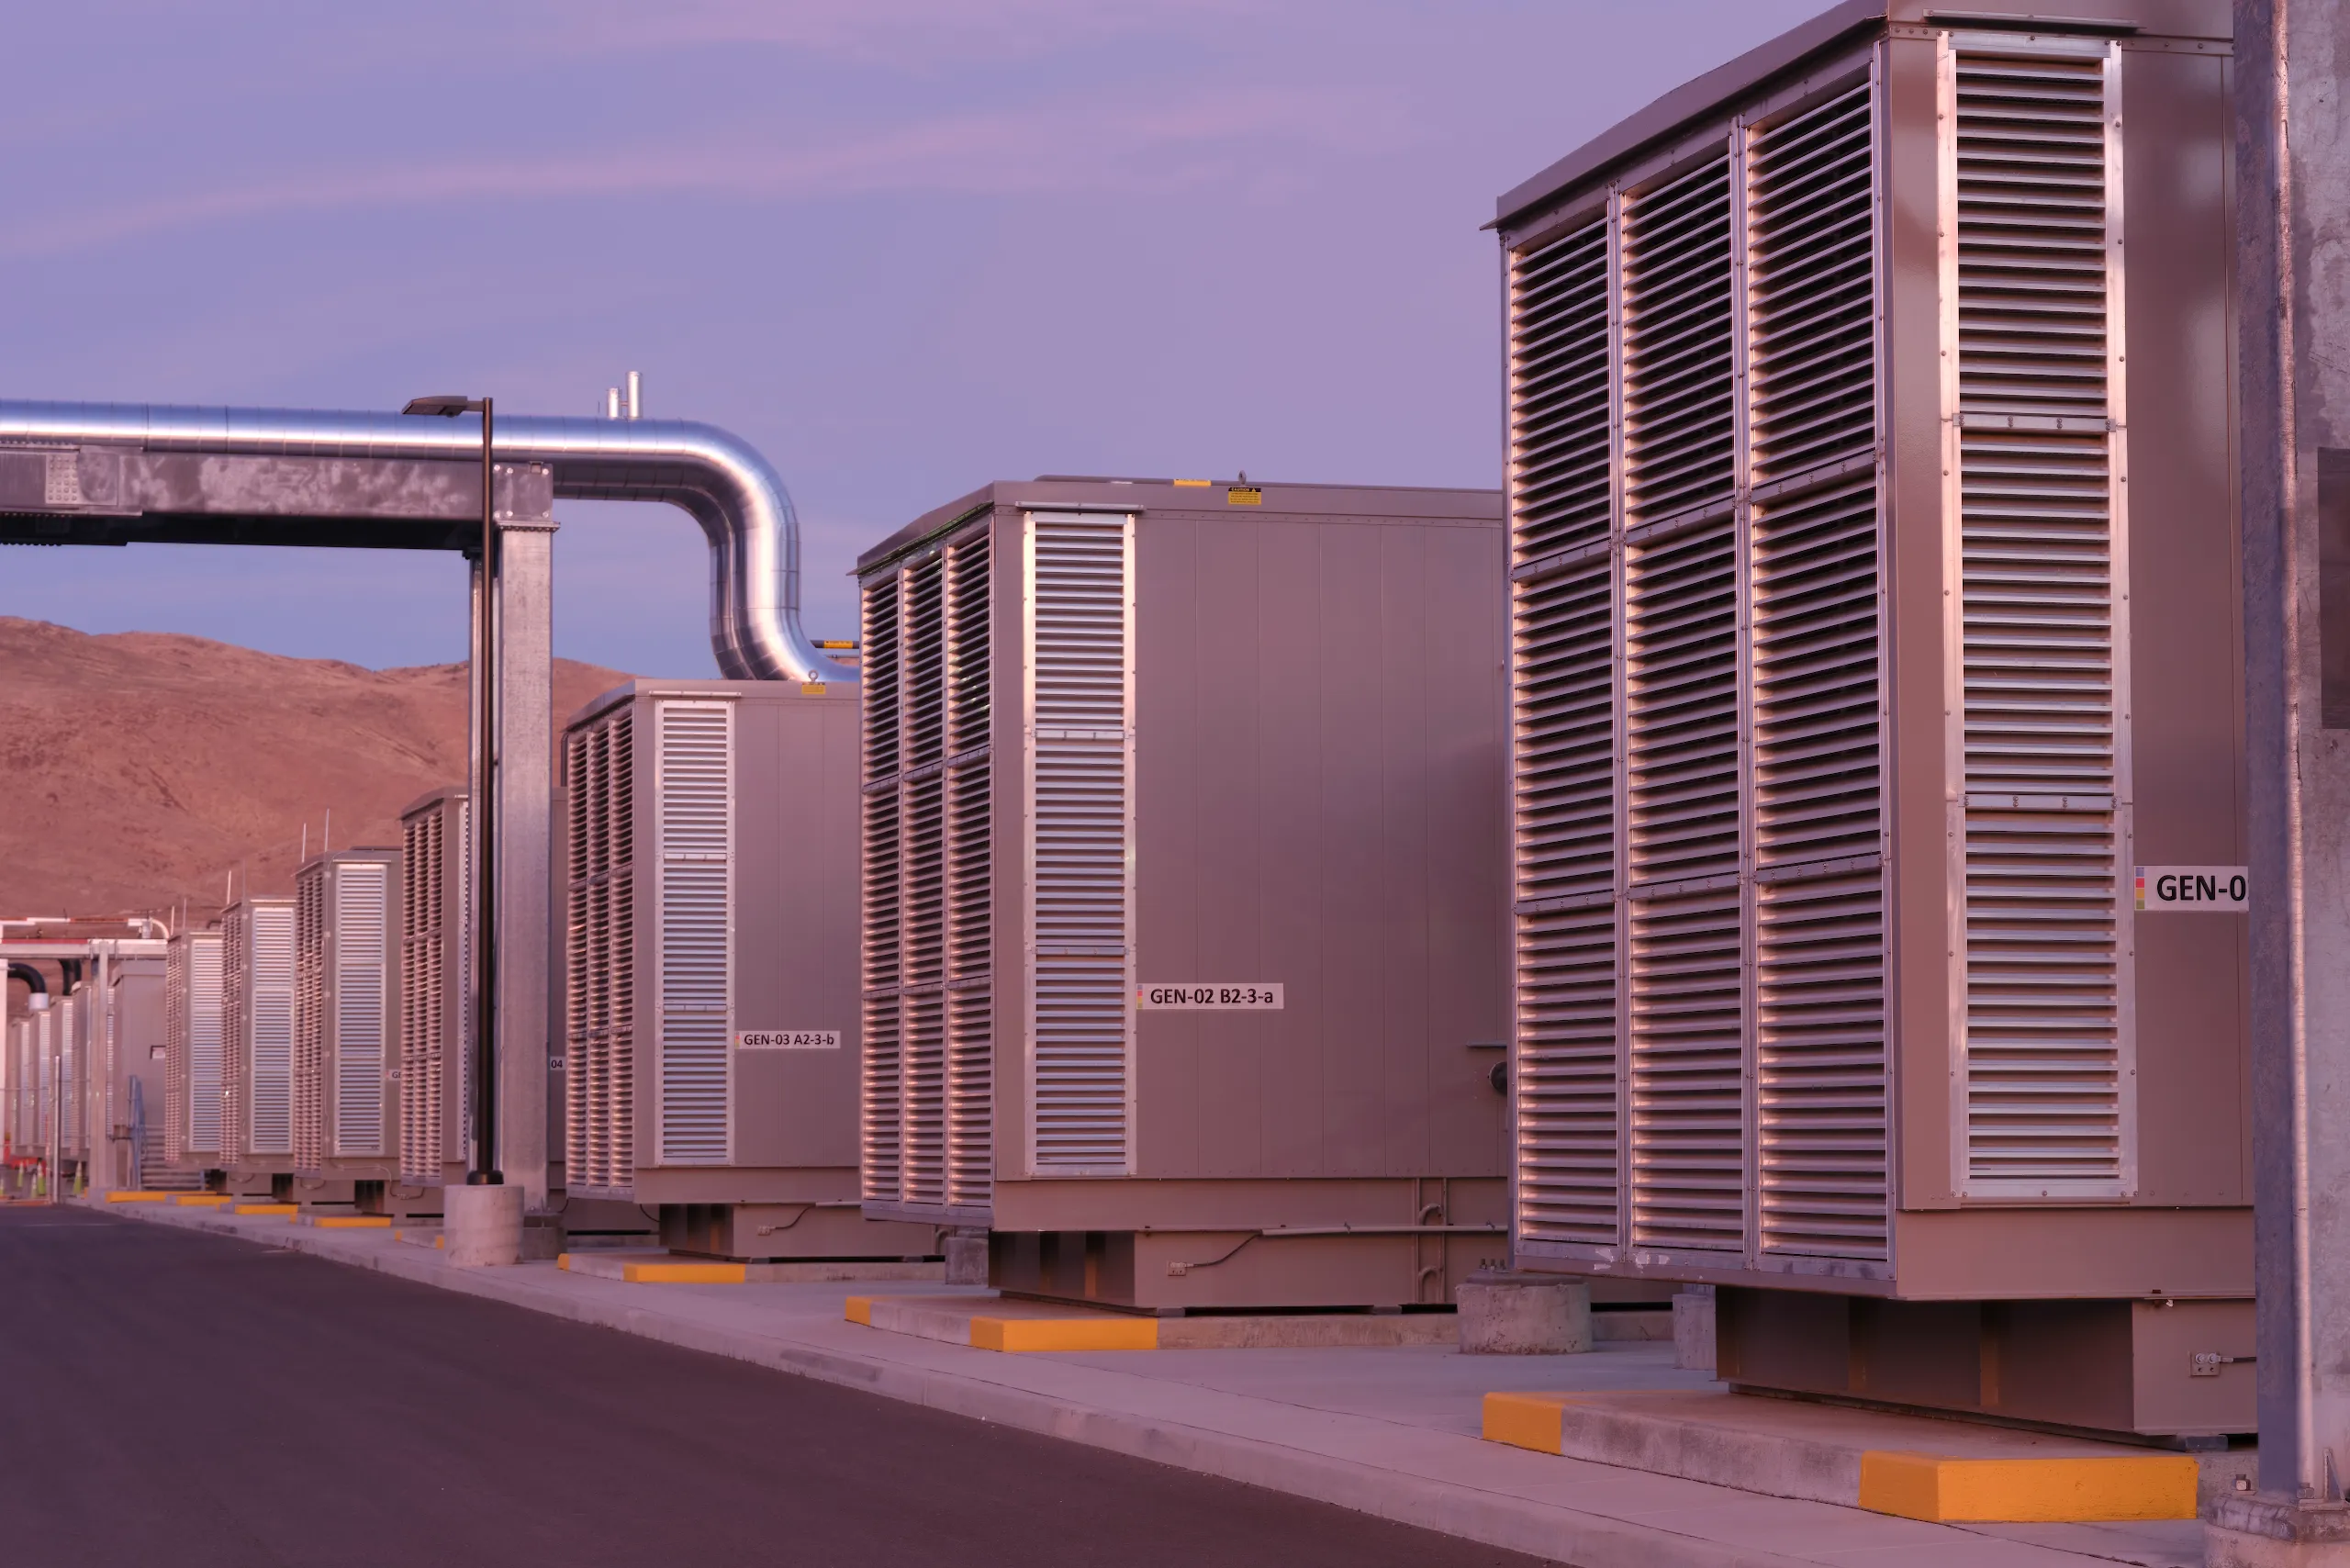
[787, 1039]
[1250, 997]
[2218, 890]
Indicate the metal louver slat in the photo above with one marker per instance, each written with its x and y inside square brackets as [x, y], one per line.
[1688, 1060]
[970, 865]
[1081, 837]
[1559, 394]
[880, 1102]
[309, 1024]
[602, 959]
[420, 996]
[694, 809]
[1565, 736]
[272, 1046]
[621, 958]
[176, 1055]
[1817, 702]
[923, 1039]
[1680, 349]
[204, 1045]
[362, 912]
[1570, 1169]
[2040, 746]
[1822, 1166]
[1681, 660]
[1812, 297]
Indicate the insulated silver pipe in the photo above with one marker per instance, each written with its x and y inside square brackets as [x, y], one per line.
[715, 477]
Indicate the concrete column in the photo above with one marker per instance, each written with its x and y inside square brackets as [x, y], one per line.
[2293, 202]
[525, 611]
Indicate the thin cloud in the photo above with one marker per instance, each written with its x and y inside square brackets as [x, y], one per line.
[1053, 148]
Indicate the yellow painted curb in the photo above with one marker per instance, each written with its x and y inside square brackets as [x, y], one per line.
[1064, 1333]
[682, 1274]
[203, 1200]
[2028, 1491]
[351, 1222]
[138, 1197]
[285, 1210]
[860, 1310]
[1525, 1420]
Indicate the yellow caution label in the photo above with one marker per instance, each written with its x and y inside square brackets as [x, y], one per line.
[1245, 496]
[811, 689]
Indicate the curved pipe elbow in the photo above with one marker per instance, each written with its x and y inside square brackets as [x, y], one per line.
[35, 981]
[715, 477]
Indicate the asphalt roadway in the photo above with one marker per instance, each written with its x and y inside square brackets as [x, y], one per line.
[171, 1397]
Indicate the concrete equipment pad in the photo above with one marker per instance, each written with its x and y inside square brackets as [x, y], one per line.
[654, 1268]
[1916, 1467]
[1389, 1431]
[991, 1322]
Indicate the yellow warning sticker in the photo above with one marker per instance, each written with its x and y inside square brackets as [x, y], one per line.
[811, 689]
[1245, 496]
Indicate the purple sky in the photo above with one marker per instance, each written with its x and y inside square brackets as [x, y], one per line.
[904, 246]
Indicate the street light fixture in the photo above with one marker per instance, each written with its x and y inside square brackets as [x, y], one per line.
[482, 1170]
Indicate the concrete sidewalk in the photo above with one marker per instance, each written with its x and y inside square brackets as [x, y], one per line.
[1392, 1432]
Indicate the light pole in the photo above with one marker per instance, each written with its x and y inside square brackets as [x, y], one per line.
[482, 1169]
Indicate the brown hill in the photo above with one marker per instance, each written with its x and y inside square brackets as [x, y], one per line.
[137, 769]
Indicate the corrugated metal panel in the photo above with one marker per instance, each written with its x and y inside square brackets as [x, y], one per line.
[1080, 840]
[694, 817]
[272, 1044]
[363, 960]
[2042, 839]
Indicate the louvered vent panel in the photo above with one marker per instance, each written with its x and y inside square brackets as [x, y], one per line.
[114, 1065]
[176, 1055]
[1820, 1062]
[272, 1046]
[1688, 1072]
[204, 1045]
[1812, 293]
[70, 1069]
[1680, 696]
[422, 889]
[236, 1027]
[2032, 234]
[1568, 1170]
[309, 1021]
[968, 632]
[1081, 841]
[1816, 675]
[922, 649]
[1565, 736]
[578, 982]
[1680, 358]
[970, 1009]
[2042, 999]
[1559, 394]
[621, 960]
[361, 914]
[2046, 957]
[923, 1041]
[881, 1107]
[694, 811]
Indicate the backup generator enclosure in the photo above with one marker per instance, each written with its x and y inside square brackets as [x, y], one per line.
[257, 1009]
[1873, 576]
[1185, 947]
[436, 966]
[712, 1022]
[346, 1025]
[126, 997]
[191, 1037]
